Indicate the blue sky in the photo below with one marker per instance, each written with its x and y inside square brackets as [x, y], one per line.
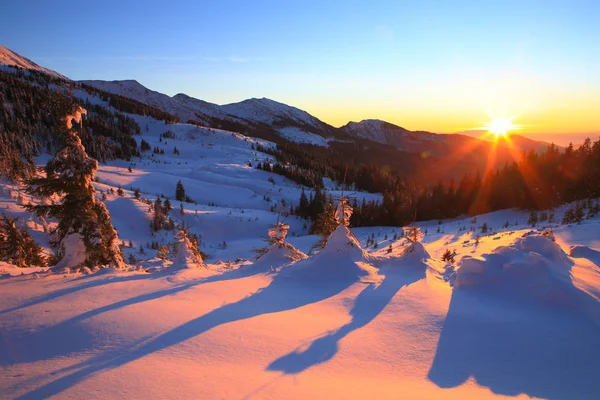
[436, 65]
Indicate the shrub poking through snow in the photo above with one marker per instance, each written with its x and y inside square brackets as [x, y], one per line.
[279, 251]
[84, 235]
[448, 256]
[163, 252]
[549, 234]
[17, 246]
[414, 234]
[278, 233]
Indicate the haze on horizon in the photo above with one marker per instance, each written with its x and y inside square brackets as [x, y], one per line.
[436, 66]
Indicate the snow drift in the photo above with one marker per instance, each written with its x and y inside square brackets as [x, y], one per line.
[277, 255]
[415, 253]
[341, 259]
[531, 266]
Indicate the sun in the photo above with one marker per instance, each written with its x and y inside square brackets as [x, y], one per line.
[500, 126]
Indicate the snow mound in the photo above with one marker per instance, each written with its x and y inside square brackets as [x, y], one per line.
[7, 269]
[343, 241]
[415, 253]
[341, 259]
[278, 255]
[414, 256]
[586, 252]
[532, 266]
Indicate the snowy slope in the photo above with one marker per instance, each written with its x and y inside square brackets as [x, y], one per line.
[346, 323]
[12, 59]
[298, 135]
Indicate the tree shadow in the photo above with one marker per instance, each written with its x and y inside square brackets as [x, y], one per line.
[73, 289]
[282, 294]
[52, 341]
[368, 305]
[515, 346]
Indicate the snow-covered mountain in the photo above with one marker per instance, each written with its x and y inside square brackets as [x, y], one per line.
[252, 113]
[271, 112]
[386, 133]
[268, 118]
[200, 106]
[182, 106]
[12, 59]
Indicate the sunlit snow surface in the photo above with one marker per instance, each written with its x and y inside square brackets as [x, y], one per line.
[516, 316]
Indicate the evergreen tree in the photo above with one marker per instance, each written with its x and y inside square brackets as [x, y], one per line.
[179, 192]
[324, 225]
[81, 218]
[17, 246]
[303, 204]
[167, 206]
[448, 256]
[159, 219]
[484, 228]
[533, 218]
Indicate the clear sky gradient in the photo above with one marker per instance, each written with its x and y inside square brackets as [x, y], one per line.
[441, 66]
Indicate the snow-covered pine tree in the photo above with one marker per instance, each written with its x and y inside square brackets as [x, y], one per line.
[84, 235]
[324, 225]
[188, 254]
[278, 233]
[330, 219]
[343, 212]
[17, 246]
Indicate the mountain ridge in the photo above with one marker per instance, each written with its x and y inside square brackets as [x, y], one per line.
[11, 58]
[267, 118]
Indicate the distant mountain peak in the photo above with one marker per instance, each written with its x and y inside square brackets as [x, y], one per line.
[13, 59]
[372, 122]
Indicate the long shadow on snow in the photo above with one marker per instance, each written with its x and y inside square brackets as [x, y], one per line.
[368, 305]
[515, 346]
[73, 289]
[69, 336]
[282, 294]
